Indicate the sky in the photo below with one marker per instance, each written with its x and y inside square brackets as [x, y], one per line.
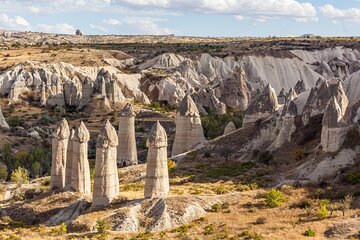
[217, 18]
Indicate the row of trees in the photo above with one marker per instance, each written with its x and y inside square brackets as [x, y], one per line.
[37, 161]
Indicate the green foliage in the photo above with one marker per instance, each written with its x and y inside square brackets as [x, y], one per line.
[222, 189]
[266, 157]
[209, 229]
[353, 178]
[60, 230]
[138, 186]
[143, 236]
[231, 169]
[214, 124]
[20, 175]
[3, 172]
[182, 230]
[274, 198]
[171, 166]
[251, 236]
[161, 107]
[309, 233]
[217, 207]
[14, 121]
[102, 225]
[46, 182]
[36, 169]
[246, 187]
[323, 211]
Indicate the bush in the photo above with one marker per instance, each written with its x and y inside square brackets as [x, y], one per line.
[171, 166]
[232, 169]
[3, 172]
[274, 198]
[309, 233]
[299, 154]
[323, 211]
[61, 230]
[353, 178]
[250, 235]
[14, 121]
[261, 220]
[266, 157]
[209, 229]
[102, 225]
[20, 175]
[246, 187]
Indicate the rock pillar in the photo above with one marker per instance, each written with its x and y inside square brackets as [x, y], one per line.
[126, 150]
[59, 153]
[80, 176]
[157, 177]
[106, 181]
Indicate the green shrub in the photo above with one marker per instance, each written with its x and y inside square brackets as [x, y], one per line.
[214, 124]
[102, 225]
[61, 230]
[209, 229]
[231, 169]
[251, 236]
[274, 198]
[353, 178]
[3, 172]
[171, 166]
[182, 230]
[246, 187]
[323, 211]
[45, 183]
[20, 175]
[14, 121]
[309, 233]
[138, 186]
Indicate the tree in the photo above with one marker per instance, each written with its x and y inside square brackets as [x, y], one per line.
[20, 175]
[36, 169]
[3, 172]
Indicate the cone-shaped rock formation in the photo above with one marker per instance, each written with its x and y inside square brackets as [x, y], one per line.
[80, 176]
[189, 132]
[59, 154]
[157, 178]
[230, 127]
[106, 180]
[126, 150]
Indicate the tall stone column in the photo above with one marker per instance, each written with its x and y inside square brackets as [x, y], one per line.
[157, 176]
[43, 94]
[189, 132]
[59, 153]
[106, 180]
[80, 176]
[126, 151]
[69, 158]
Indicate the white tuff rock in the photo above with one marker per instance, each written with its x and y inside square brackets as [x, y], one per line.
[157, 178]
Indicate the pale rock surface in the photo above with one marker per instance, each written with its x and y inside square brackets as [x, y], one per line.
[106, 180]
[60, 140]
[334, 126]
[230, 127]
[344, 229]
[300, 87]
[80, 175]
[3, 123]
[69, 158]
[157, 176]
[189, 131]
[126, 150]
[164, 61]
[265, 104]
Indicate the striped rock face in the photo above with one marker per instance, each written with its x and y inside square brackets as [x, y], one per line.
[59, 154]
[157, 177]
[106, 180]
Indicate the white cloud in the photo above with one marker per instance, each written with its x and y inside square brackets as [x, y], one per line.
[34, 9]
[350, 14]
[112, 21]
[100, 28]
[239, 17]
[146, 25]
[250, 8]
[62, 28]
[15, 23]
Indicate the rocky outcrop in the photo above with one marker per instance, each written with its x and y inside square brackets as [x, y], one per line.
[157, 176]
[265, 104]
[230, 127]
[235, 90]
[126, 150]
[80, 174]
[106, 180]
[69, 158]
[334, 126]
[320, 96]
[300, 87]
[3, 123]
[189, 132]
[60, 140]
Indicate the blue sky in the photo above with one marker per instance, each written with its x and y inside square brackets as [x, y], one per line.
[184, 17]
